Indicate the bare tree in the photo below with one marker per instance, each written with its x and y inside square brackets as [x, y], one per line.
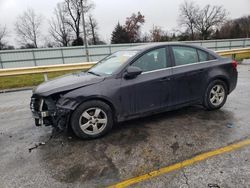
[146, 37]
[158, 35]
[75, 14]
[3, 34]
[28, 28]
[209, 18]
[237, 28]
[59, 29]
[244, 23]
[188, 16]
[92, 29]
[133, 25]
[203, 21]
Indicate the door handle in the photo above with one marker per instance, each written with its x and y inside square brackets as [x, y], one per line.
[165, 79]
[201, 70]
[195, 72]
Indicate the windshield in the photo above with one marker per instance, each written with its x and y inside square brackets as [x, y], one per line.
[110, 64]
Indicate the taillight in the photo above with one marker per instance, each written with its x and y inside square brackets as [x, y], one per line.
[234, 64]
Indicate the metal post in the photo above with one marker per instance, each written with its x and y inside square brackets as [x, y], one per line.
[45, 75]
[244, 43]
[62, 56]
[233, 56]
[109, 49]
[84, 32]
[34, 58]
[1, 63]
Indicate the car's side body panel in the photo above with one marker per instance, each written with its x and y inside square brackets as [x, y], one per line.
[188, 82]
[149, 91]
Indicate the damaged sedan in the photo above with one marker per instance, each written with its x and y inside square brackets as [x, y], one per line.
[133, 83]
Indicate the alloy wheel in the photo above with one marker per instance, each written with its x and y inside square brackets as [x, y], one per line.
[93, 121]
[217, 95]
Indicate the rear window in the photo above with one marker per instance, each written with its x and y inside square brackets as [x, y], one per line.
[204, 56]
[184, 55]
[211, 57]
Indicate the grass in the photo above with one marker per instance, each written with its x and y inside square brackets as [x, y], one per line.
[240, 57]
[10, 82]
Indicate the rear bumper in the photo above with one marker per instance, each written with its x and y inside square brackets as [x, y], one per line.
[233, 82]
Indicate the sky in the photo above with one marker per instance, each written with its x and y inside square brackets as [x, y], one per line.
[108, 13]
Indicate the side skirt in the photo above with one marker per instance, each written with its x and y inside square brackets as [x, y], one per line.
[164, 109]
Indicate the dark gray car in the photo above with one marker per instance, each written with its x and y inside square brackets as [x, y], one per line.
[133, 83]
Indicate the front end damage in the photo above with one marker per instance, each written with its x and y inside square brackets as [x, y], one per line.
[45, 112]
[48, 104]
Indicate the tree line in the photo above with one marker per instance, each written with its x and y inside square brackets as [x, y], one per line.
[195, 23]
[66, 26]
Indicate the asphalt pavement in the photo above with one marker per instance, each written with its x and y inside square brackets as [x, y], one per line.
[40, 157]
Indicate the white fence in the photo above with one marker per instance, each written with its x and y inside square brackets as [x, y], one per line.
[66, 55]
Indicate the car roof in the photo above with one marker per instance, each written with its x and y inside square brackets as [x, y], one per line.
[149, 46]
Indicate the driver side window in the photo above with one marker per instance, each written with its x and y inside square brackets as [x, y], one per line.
[153, 60]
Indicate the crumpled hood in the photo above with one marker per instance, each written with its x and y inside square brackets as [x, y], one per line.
[66, 83]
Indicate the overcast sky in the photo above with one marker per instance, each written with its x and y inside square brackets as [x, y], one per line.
[162, 13]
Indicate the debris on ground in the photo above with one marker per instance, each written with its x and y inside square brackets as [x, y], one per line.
[189, 144]
[229, 125]
[175, 146]
[1, 133]
[36, 146]
[211, 185]
[55, 134]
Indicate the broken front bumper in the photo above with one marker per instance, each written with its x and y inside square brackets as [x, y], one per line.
[45, 112]
[40, 112]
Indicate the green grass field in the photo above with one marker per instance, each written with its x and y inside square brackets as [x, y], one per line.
[243, 56]
[10, 82]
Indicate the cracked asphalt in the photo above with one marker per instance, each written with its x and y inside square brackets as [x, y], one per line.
[133, 148]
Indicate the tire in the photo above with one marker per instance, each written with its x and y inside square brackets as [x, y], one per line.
[215, 95]
[92, 119]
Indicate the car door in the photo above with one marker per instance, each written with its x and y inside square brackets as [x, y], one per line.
[149, 90]
[189, 75]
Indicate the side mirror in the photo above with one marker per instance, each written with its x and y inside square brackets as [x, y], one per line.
[132, 72]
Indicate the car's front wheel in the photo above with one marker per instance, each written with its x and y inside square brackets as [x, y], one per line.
[216, 95]
[92, 119]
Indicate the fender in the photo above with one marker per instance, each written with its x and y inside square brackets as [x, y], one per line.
[73, 99]
[219, 73]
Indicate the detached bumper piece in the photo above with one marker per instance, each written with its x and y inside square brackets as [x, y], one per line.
[46, 113]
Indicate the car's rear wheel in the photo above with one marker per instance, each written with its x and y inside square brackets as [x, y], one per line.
[92, 119]
[216, 95]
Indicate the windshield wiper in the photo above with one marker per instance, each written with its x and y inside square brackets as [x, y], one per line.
[94, 73]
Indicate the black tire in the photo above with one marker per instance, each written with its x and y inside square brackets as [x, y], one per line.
[208, 96]
[77, 114]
